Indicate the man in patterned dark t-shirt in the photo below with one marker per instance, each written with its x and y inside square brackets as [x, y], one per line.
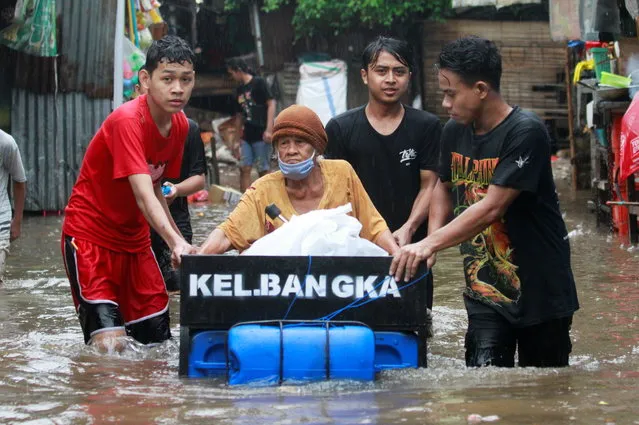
[495, 163]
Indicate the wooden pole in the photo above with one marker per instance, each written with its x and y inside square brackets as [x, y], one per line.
[193, 24]
[571, 131]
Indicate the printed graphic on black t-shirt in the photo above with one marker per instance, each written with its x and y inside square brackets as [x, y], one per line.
[388, 166]
[489, 256]
[519, 265]
[252, 98]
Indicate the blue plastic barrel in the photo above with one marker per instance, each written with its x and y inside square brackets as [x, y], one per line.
[208, 355]
[396, 350]
[267, 354]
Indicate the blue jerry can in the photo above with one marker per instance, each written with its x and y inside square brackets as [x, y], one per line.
[268, 353]
[396, 350]
[208, 355]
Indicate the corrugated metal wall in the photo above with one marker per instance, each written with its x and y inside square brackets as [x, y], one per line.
[87, 42]
[52, 130]
[53, 136]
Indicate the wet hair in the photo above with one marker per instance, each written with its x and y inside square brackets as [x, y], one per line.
[169, 49]
[239, 64]
[400, 50]
[473, 59]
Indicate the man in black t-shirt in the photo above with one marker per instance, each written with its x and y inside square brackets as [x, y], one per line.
[495, 161]
[191, 180]
[393, 148]
[257, 110]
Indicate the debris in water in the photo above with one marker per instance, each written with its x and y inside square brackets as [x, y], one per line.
[579, 231]
[475, 418]
[603, 403]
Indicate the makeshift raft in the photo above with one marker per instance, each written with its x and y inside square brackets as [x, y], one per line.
[271, 320]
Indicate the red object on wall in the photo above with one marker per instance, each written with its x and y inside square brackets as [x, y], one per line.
[625, 149]
[629, 143]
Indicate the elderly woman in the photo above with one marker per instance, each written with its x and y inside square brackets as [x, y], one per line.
[303, 184]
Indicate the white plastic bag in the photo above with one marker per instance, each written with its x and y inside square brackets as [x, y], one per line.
[321, 232]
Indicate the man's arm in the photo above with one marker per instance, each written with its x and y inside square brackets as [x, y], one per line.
[12, 162]
[441, 206]
[154, 208]
[195, 159]
[190, 185]
[468, 224]
[216, 243]
[419, 212]
[19, 196]
[387, 242]
[157, 191]
[429, 155]
[186, 187]
[270, 119]
[440, 212]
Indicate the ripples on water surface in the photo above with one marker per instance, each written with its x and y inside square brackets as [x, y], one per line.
[47, 376]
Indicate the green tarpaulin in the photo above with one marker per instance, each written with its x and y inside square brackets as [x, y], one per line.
[33, 29]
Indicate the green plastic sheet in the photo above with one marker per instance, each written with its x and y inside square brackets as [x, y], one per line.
[33, 30]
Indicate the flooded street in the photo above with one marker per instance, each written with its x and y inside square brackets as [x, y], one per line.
[48, 376]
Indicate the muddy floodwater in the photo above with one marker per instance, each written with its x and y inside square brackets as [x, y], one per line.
[48, 376]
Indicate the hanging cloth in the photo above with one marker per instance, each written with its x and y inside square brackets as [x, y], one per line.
[34, 28]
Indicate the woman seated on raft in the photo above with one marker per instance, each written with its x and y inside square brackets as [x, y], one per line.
[303, 184]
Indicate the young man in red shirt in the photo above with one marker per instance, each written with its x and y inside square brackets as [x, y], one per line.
[116, 283]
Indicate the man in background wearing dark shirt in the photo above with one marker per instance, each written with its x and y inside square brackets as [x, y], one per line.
[257, 108]
[495, 163]
[393, 148]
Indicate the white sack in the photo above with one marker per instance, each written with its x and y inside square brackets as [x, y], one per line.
[323, 88]
[321, 232]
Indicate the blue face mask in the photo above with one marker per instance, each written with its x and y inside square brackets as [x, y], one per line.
[298, 171]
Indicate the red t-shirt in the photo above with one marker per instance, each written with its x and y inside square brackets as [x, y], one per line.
[102, 208]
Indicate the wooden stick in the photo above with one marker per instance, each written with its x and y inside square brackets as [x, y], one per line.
[131, 34]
